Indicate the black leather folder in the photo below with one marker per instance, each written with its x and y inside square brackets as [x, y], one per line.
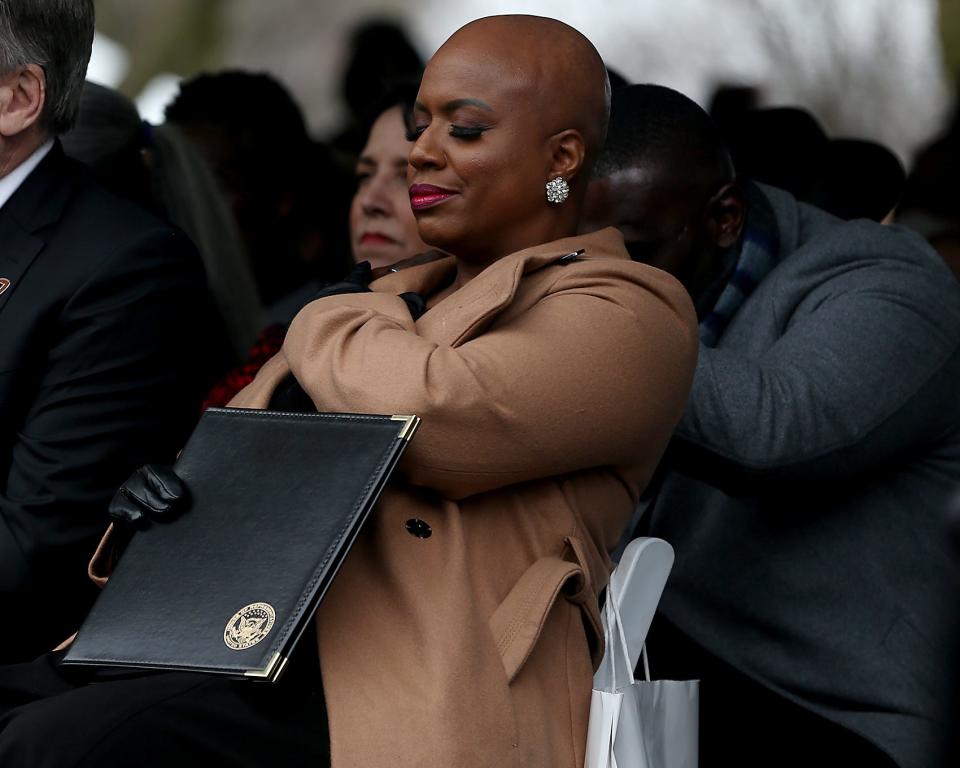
[227, 587]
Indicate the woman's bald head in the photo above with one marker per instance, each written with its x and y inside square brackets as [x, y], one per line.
[508, 104]
[550, 65]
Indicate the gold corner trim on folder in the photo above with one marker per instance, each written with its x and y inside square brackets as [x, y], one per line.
[412, 422]
[270, 672]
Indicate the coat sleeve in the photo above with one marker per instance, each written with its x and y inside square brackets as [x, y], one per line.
[594, 374]
[848, 387]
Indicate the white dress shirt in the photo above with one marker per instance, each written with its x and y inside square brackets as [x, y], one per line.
[12, 181]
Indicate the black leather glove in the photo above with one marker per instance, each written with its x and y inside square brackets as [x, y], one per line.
[415, 303]
[290, 397]
[153, 492]
[356, 281]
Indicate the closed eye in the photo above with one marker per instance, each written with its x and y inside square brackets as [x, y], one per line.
[457, 131]
[464, 132]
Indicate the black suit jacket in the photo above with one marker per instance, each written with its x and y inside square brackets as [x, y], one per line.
[105, 328]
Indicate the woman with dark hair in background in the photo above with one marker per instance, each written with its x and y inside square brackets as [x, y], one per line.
[383, 230]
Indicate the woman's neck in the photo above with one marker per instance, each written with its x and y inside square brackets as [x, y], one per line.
[467, 270]
[469, 267]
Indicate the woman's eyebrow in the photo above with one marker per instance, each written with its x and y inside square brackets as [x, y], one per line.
[455, 104]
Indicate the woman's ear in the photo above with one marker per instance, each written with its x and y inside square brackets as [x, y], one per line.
[725, 215]
[568, 150]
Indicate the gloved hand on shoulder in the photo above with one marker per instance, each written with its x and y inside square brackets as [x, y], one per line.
[415, 303]
[357, 280]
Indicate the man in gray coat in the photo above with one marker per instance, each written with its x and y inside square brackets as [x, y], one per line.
[807, 489]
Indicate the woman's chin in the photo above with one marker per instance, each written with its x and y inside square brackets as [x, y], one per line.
[438, 237]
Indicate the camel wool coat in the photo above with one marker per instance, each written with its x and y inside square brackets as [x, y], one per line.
[547, 389]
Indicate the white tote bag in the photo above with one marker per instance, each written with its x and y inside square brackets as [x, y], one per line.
[639, 724]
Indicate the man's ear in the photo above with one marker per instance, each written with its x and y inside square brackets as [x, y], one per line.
[22, 96]
[568, 151]
[726, 212]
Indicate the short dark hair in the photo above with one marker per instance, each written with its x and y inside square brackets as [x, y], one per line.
[263, 147]
[402, 93]
[651, 122]
[380, 54]
[58, 36]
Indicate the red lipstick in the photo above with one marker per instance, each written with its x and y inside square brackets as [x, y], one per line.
[426, 196]
[376, 238]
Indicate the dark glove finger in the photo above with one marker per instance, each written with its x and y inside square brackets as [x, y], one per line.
[338, 289]
[161, 490]
[289, 396]
[154, 491]
[415, 303]
[355, 282]
[126, 510]
[361, 274]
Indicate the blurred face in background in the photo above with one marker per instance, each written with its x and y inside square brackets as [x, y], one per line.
[660, 217]
[669, 218]
[383, 229]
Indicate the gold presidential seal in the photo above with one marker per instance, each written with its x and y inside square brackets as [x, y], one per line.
[249, 626]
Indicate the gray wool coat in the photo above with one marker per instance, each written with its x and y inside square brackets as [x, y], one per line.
[813, 468]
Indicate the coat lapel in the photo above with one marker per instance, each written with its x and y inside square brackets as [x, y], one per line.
[38, 202]
[467, 312]
[18, 249]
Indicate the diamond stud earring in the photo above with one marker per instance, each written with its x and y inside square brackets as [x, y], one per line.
[557, 190]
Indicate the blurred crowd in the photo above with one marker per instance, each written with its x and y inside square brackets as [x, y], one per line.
[276, 212]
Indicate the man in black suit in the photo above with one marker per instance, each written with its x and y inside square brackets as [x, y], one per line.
[104, 322]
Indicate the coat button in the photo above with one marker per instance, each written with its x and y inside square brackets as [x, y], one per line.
[418, 528]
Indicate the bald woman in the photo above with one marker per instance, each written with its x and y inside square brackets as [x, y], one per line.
[463, 629]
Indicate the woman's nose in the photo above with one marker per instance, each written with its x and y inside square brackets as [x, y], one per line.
[426, 152]
[374, 199]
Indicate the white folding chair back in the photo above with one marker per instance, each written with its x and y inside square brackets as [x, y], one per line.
[638, 582]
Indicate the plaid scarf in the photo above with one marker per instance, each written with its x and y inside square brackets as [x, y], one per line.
[759, 252]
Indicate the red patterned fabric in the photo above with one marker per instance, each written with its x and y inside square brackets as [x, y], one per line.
[268, 343]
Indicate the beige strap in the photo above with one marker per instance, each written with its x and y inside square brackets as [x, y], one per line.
[66, 643]
[519, 619]
[99, 567]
